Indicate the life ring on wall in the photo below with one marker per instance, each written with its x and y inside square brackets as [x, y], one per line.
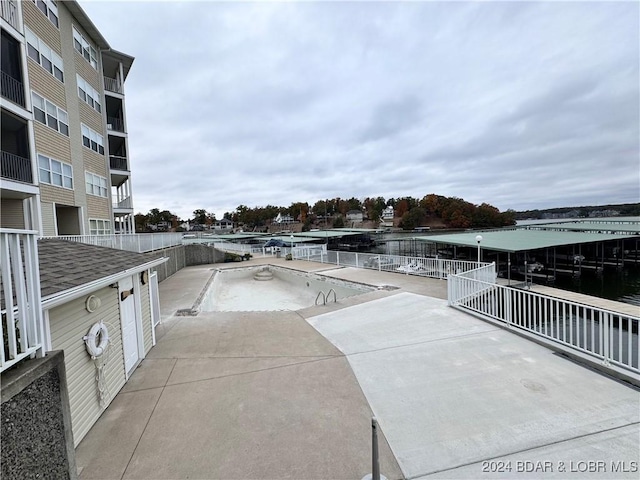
[98, 331]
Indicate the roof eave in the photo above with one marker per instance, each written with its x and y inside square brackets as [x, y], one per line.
[86, 23]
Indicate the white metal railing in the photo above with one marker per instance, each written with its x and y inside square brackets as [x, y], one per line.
[606, 335]
[420, 266]
[21, 327]
[139, 242]
[9, 11]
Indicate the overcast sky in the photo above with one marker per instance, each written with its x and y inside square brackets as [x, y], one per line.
[520, 105]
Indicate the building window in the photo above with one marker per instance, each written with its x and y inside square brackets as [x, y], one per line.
[89, 94]
[49, 114]
[55, 172]
[49, 8]
[83, 47]
[96, 185]
[99, 226]
[92, 139]
[42, 54]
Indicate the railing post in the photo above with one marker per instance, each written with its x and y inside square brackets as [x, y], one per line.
[606, 352]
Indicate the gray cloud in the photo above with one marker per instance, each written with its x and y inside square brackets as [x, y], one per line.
[522, 105]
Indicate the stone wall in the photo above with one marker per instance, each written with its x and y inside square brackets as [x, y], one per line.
[37, 441]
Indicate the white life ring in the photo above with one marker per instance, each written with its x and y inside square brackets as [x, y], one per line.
[94, 348]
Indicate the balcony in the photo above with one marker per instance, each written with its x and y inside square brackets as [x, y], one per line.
[113, 85]
[9, 12]
[124, 204]
[16, 168]
[115, 124]
[12, 89]
[118, 163]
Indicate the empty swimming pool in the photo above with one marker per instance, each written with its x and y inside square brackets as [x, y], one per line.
[272, 288]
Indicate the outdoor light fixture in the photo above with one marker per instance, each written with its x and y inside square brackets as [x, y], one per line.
[478, 239]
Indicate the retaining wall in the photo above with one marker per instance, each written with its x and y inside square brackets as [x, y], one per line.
[37, 441]
[183, 256]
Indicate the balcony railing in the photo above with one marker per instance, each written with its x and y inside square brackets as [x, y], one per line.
[141, 242]
[16, 168]
[9, 11]
[118, 163]
[125, 203]
[12, 89]
[112, 85]
[21, 327]
[116, 124]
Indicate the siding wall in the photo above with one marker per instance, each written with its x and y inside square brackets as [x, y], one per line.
[95, 163]
[11, 213]
[46, 85]
[41, 25]
[68, 324]
[98, 207]
[49, 194]
[52, 144]
[90, 117]
[84, 68]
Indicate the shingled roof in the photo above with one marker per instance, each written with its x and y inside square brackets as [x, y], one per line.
[65, 265]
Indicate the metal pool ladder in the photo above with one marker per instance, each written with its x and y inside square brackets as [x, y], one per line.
[325, 298]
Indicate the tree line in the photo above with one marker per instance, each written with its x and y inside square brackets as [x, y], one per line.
[453, 212]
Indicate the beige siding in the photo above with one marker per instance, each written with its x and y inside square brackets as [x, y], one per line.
[96, 163]
[98, 207]
[69, 323]
[46, 85]
[145, 304]
[52, 144]
[41, 25]
[11, 213]
[85, 69]
[90, 117]
[48, 223]
[63, 196]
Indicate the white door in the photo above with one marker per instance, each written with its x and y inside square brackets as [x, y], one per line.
[128, 319]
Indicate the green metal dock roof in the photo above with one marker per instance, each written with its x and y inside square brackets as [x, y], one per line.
[631, 227]
[521, 239]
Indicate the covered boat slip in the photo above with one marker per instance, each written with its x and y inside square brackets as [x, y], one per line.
[541, 254]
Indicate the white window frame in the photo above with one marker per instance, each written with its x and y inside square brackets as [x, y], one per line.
[47, 58]
[50, 10]
[95, 184]
[99, 226]
[49, 169]
[88, 94]
[85, 49]
[53, 114]
[95, 140]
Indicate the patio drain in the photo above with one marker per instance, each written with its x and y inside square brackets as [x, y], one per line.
[186, 312]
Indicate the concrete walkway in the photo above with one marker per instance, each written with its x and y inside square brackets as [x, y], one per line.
[290, 394]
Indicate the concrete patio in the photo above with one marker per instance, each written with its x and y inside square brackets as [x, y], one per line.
[290, 394]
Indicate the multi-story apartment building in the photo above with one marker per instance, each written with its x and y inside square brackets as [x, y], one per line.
[65, 163]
